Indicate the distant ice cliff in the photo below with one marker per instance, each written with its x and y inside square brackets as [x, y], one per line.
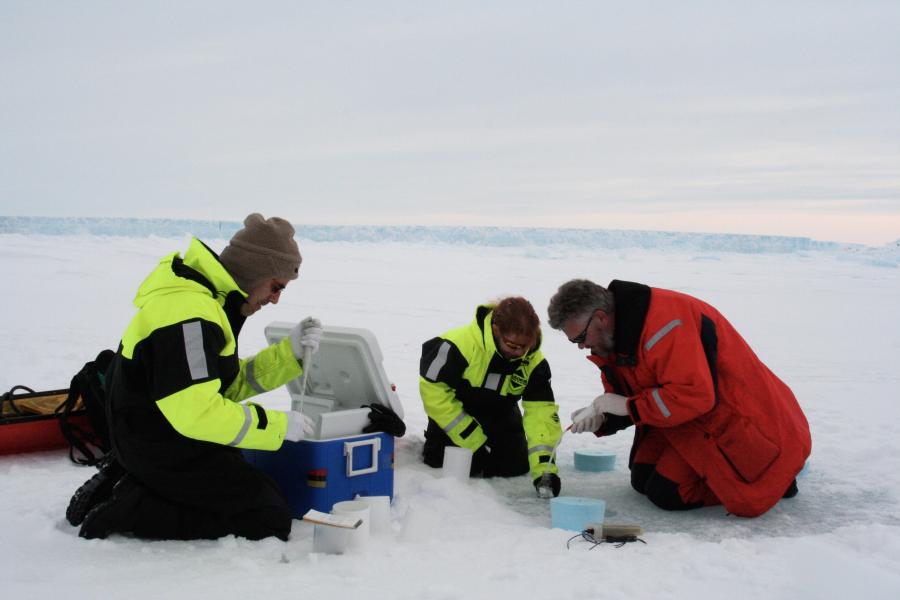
[888, 255]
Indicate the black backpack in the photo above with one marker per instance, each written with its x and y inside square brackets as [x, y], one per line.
[87, 445]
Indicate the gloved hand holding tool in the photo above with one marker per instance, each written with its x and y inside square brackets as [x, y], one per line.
[481, 458]
[549, 484]
[306, 335]
[305, 338]
[592, 417]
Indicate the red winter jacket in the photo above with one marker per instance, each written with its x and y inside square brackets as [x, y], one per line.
[689, 373]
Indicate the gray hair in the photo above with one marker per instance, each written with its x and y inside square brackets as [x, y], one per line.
[577, 298]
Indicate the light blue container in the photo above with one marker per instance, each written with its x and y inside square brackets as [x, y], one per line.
[594, 460]
[573, 513]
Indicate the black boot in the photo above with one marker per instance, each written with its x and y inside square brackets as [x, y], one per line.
[116, 513]
[94, 491]
[792, 490]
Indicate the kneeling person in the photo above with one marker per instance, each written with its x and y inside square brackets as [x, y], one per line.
[174, 391]
[471, 380]
[713, 424]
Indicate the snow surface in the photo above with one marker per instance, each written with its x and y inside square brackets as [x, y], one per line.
[823, 318]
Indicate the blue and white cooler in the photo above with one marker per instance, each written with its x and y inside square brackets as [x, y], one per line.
[338, 462]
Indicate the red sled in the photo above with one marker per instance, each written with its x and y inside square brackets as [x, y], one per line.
[22, 429]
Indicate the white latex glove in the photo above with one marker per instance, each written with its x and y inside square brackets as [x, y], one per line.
[299, 426]
[592, 416]
[587, 419]
[306, 334]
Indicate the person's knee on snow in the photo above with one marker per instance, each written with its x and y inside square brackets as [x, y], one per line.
[665, 493]
[270, 521]
[639, 474]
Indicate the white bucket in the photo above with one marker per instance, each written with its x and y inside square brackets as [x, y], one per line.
[379, 513]
[457, 463]
[330, 540]
[359, 537]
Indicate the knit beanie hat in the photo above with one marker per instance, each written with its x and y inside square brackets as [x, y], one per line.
[263, 249]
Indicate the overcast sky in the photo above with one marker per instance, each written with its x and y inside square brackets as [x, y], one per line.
[727, 116]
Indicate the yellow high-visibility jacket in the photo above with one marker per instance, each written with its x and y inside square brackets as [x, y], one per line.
[177, 382]
[462, 376]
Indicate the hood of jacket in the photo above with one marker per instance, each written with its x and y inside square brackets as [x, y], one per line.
[200, 271]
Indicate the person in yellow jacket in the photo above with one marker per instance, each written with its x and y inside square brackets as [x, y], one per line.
[471, 380]
[174, 393]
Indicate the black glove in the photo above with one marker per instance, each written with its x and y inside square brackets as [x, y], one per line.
[382, 418]
[481, 458]
[548, 480]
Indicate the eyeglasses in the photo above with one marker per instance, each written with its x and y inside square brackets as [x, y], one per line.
[512, 345]
[579, 339]
[277, 287]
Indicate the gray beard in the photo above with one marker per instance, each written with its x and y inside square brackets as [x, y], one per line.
[607, 344]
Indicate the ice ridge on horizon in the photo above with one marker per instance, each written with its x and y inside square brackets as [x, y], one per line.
[487, 236]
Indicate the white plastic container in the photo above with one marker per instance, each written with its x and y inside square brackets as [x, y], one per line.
[359, 537]
[330, 540]
[379, 513]
[457, 463]
[345, 373]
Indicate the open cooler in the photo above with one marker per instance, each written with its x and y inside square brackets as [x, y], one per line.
[339, 461]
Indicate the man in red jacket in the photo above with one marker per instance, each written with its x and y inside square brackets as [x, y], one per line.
[713, 425]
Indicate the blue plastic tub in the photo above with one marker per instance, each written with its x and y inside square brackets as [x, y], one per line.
[594, 460]
[574, 513]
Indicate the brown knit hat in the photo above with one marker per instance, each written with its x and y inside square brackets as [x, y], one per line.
[263, 249]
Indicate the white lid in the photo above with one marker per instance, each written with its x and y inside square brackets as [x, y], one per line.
[344, 374]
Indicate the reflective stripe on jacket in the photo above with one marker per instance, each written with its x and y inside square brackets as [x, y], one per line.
[462, 376]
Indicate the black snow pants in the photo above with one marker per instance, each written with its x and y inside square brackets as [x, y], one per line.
[213, 495]
[508, 455]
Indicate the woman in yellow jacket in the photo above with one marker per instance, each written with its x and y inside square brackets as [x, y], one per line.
[471, 381]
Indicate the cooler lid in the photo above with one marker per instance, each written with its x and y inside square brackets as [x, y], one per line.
[345, 373]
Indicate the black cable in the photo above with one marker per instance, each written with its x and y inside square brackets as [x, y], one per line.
[616, 540]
